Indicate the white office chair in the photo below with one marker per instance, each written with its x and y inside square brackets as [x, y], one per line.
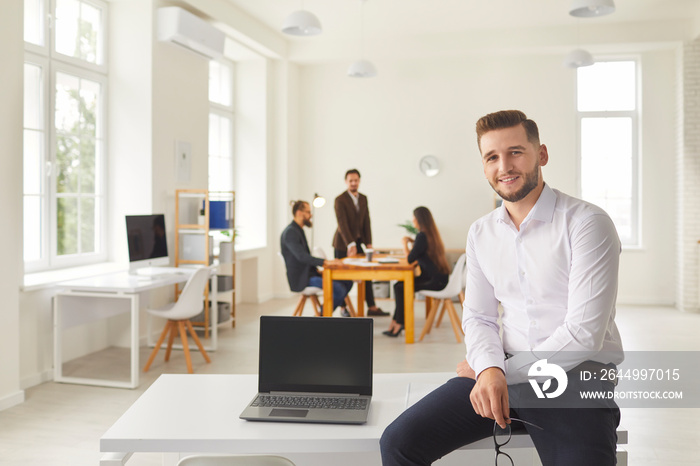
[310, 292]
[234, 460]
[189, 304]
[444, 297]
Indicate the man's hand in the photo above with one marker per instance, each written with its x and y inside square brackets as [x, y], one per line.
[465, 370]
[489, 396]
[352, 250]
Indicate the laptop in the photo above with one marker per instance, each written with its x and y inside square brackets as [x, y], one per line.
[313, 369]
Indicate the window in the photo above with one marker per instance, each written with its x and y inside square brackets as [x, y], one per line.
[608, 119]
[220, 126]
[64, 140]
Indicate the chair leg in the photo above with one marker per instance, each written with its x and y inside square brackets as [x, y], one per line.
[157, 348]
[429, 320]
[454, 319]
[185, 346]
[317, 305]
[350, 307]
[171, 338]
[442, 314]
[300, 306]
[196, 340]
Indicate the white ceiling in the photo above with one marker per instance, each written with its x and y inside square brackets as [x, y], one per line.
[424, 21]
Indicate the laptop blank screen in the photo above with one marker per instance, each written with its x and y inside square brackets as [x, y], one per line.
[316, 354]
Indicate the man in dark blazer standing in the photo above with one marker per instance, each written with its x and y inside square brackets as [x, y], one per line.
[354, 230]
[301, 265]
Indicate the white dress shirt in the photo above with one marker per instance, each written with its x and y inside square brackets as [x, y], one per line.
[556, 279]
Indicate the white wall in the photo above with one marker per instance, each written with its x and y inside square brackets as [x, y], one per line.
[382, 126]
[647, 276]
[11, 57]
[180, 109]
[130, 140]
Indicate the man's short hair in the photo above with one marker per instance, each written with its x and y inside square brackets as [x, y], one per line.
[352, 171]
[507, 119]
[298, 205]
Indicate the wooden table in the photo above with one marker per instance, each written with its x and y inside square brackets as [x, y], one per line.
[356, 268]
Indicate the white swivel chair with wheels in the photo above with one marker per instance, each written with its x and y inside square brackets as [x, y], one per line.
[233, 460]
[189, 304]
[444, 297]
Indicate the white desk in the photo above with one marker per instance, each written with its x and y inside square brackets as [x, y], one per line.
[117, 288]
[183, 413]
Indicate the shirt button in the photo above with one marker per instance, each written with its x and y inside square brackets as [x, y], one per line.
[533, 323]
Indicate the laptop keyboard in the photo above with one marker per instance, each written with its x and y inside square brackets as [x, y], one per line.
[310, 402]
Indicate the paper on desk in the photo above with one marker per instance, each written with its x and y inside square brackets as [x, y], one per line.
[360, 262]
[388, 260]
[417, 390]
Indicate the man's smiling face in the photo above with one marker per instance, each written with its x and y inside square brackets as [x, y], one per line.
[511, 162]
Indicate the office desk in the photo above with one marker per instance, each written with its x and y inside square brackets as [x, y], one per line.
[70, 310]
[357, 269]
[183, 413]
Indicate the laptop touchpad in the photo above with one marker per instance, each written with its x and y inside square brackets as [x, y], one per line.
[289, 412]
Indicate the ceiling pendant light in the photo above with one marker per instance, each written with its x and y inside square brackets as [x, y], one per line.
[591, 8]
[302, 23]
[578, 58]
[362, 68]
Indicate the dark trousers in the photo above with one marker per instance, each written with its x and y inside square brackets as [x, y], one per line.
[369, 292]
[420, 283]
[341, 288]
[444, 421]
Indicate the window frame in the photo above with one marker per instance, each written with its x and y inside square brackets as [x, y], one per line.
[635, 241]
[227, 111]
[51, 63]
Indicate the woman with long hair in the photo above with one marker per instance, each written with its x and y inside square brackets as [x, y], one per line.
[429, 251]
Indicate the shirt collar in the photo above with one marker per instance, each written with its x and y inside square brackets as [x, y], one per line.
[543, 210]
[544, 207]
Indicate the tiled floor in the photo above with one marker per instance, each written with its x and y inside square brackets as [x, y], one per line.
[60, 424]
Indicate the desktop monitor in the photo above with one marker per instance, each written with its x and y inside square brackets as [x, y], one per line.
[145, 235]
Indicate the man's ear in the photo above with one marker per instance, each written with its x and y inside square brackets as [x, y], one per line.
[543, 155]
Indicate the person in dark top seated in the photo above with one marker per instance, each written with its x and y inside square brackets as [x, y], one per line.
[301, 265]
[429, 251]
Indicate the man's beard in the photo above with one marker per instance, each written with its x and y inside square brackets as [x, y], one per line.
[531, 180]
[307, 223]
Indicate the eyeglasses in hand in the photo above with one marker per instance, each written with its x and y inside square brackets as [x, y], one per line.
[501, 437]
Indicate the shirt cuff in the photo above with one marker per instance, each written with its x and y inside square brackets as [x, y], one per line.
[351, 244]
[483, 362]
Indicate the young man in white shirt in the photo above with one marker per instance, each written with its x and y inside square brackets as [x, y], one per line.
[551, 261]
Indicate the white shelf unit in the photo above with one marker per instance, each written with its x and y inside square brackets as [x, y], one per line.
[196, 243]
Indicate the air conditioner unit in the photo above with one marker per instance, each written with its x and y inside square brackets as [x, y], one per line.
[181, 27]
